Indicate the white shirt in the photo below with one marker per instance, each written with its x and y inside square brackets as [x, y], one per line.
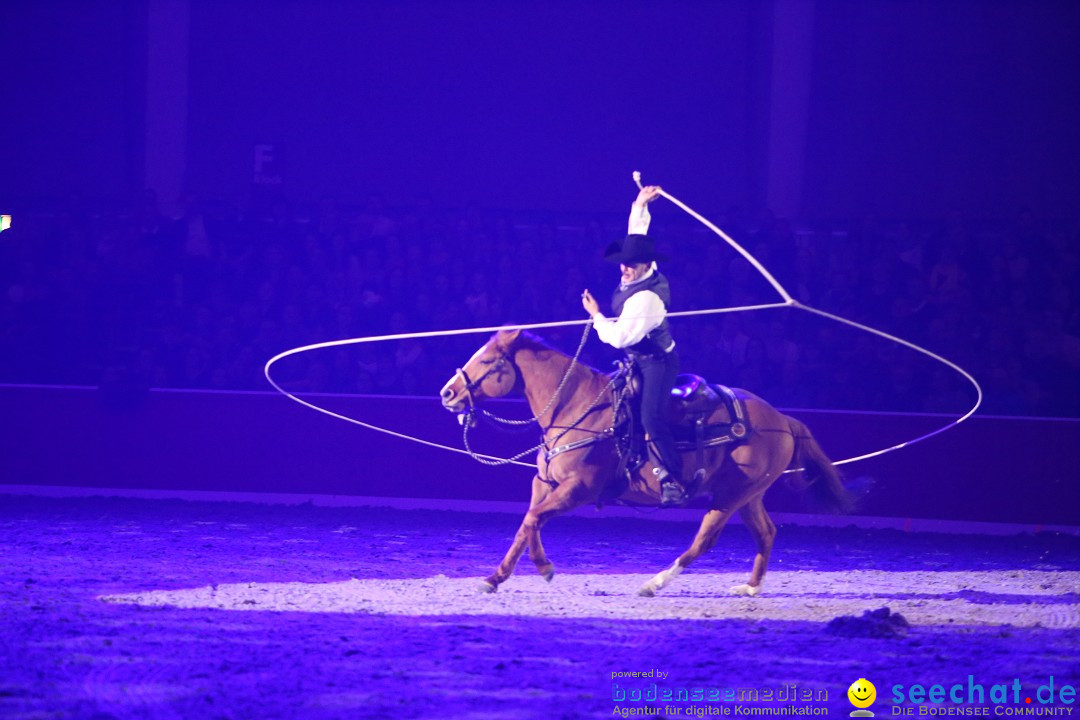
[643, 311]
[639, 221]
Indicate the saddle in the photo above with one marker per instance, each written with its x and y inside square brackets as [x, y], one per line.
[693, 402]
[691, 410]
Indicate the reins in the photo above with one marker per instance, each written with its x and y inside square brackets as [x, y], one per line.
[474, 410]
[554, 397]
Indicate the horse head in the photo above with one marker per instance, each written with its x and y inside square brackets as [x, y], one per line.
[489, 373]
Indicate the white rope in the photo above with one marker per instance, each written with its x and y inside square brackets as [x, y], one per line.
[354, 421]
[791, 302]
[913, 346]
[447, 333]
[787, 301]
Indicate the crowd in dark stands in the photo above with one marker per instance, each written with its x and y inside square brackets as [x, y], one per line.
[130, 299]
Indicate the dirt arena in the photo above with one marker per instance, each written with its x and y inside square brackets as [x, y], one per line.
[120, 608]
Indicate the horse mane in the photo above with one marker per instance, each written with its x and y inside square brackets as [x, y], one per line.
[532, 341]
[508, 341]
[526, 340]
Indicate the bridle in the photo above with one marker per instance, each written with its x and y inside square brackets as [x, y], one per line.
[467, 417]
[471, 385]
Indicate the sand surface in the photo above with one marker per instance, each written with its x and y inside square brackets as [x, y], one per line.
[116, 608]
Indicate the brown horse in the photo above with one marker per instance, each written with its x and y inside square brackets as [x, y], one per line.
[580, 417]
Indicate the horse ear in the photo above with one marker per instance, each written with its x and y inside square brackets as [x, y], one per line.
[506, 338]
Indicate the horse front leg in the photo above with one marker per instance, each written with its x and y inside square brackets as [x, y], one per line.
[711, 525]
[509, 562]
[764, 531]
[557, 502]
[566, 496]
[540, 490]
[536, 551]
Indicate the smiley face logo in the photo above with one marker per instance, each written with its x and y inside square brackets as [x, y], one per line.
[862, 693]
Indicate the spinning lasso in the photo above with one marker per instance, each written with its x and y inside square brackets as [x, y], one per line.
[787, 301]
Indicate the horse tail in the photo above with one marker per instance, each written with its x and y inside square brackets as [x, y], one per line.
[817, 473]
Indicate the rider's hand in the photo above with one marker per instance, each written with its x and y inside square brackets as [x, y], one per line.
[589, 303]
[647, 195]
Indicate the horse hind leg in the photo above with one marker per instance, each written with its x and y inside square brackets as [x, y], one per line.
[707, 533]
[763, 529]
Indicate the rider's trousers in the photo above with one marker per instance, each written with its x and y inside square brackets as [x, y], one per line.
[657, 378]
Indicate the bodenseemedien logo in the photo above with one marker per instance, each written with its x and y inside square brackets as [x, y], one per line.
[862, 694]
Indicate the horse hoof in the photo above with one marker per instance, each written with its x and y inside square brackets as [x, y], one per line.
[548, 574]
[646, 591]
[487, 587]
[747, 590]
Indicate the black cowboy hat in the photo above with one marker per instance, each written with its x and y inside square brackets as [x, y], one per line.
[633, 249]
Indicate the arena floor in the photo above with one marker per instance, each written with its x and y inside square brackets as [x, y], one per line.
[120, 607]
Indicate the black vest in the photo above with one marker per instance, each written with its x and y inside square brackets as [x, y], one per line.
[659, 339]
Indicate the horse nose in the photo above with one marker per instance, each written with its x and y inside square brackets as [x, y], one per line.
[446, 394]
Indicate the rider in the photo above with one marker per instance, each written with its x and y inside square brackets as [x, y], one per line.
[641, 329]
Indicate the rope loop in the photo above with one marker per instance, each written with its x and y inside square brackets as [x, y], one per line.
[786, 301]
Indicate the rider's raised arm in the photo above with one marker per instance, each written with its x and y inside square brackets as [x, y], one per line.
[639, 211]
[639, 220]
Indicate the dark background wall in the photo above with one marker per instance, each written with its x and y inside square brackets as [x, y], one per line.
[261, 442]
[914, 107]
[72, 79]
[921, 107]
[478, 103]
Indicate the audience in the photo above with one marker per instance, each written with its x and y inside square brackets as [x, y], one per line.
[130, 300]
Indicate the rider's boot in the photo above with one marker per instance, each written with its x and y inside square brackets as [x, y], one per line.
[671, 492]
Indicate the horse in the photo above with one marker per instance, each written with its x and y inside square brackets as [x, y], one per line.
[573, 404]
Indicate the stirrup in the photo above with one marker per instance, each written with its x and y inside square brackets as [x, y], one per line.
[672, 494]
